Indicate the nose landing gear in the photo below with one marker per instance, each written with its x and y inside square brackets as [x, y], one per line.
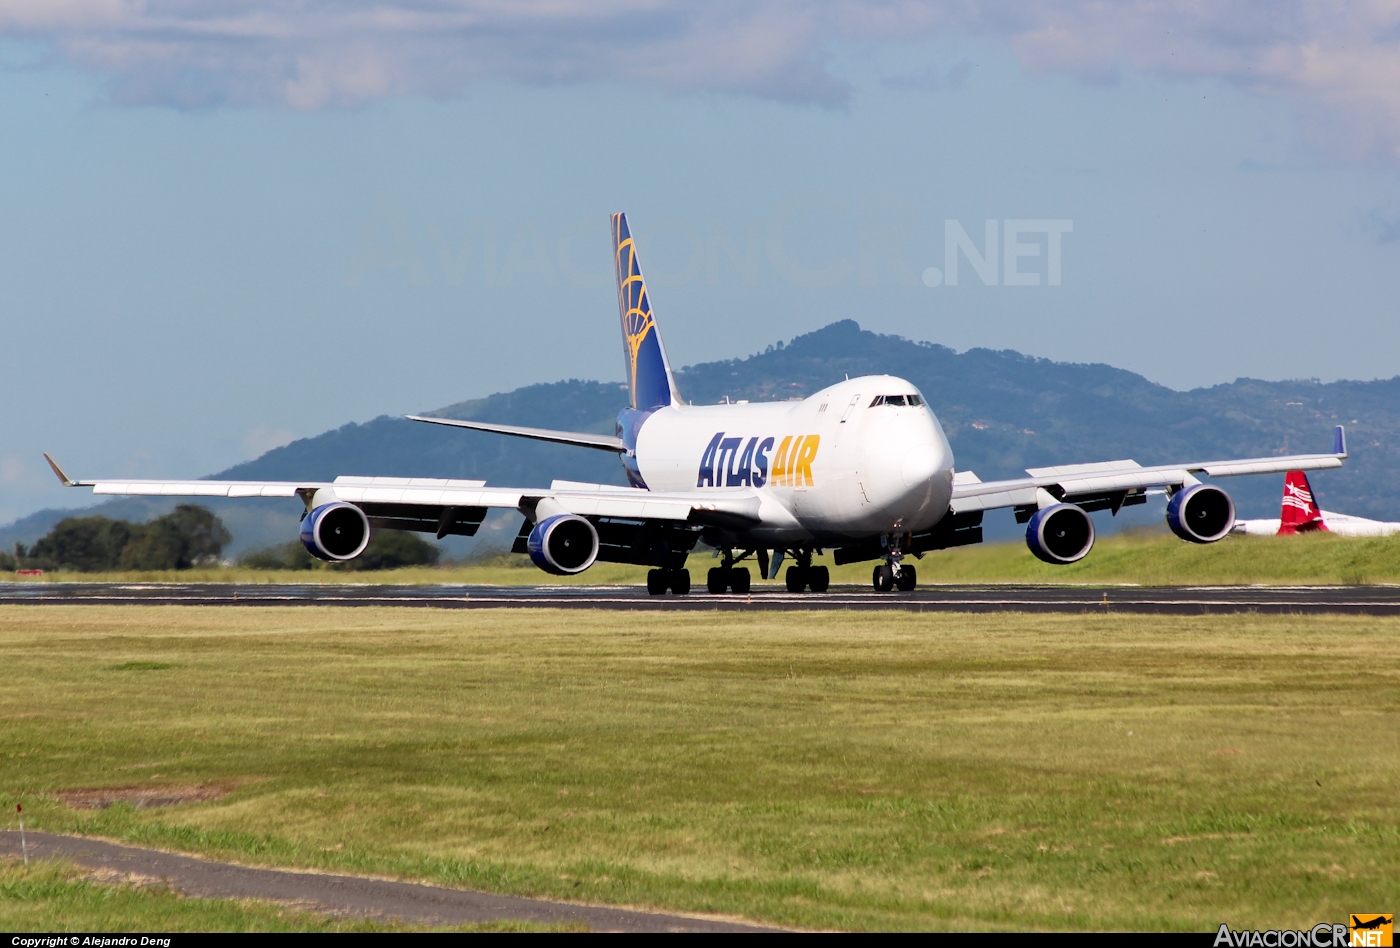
[894, 573]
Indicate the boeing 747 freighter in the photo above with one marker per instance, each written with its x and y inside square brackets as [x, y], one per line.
[861, 468]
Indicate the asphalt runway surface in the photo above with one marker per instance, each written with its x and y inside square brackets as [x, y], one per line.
[344, 895]
[1164, 600]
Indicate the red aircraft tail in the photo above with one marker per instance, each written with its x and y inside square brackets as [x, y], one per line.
[1300, 512]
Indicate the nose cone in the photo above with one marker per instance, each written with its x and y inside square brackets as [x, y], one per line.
[921, 463]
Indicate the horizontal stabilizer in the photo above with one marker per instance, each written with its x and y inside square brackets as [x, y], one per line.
[579, 438]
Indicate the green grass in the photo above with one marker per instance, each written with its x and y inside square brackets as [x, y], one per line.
[57, 896]
[863, 770]
[1145, 557]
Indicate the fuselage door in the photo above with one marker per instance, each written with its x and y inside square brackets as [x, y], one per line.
[855, 400]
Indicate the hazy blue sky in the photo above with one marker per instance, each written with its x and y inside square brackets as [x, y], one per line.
[222, 225]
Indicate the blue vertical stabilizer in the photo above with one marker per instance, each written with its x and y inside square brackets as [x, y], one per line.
[648, 372]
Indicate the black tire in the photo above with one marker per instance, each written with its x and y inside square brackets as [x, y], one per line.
[908, 579]
[739, 579]
[819, 578]
[716, 581]
[680, 582]
[882, 578]
[796, 579]
[656, 582]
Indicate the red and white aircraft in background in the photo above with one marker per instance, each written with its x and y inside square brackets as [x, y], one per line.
[1300, 514]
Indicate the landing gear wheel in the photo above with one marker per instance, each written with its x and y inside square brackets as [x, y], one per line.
[819, 578]
[716, 581]
[739, 579]
[907, 579]
[796, 579]
[680, 582]
[656, 582]
[883, 578]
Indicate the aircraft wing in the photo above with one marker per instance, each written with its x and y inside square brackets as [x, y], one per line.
[1108, 485]
[444, 506]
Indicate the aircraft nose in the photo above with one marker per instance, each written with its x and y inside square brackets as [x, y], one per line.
[920, 464]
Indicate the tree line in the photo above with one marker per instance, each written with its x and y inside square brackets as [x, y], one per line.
[190, 536]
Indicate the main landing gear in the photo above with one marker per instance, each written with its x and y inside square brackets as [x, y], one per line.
[802, 576]
[806, 576]
[676, 580]
[728, 576]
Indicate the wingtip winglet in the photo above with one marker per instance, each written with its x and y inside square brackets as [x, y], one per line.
[1339, 442]
[63, 479]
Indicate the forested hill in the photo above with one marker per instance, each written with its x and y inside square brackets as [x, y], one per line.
[1003, 412]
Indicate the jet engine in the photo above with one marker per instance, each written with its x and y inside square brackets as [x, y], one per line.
[1060, 534]
[1202, 513]
[337, 531]
[563, 544]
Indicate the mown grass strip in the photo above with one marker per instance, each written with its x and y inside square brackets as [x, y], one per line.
[818, 770]
[1144, 557]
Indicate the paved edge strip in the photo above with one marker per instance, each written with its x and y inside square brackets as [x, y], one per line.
[348, 895]
[1220, 600]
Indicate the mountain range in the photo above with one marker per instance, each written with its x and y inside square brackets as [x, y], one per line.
[1003, 412]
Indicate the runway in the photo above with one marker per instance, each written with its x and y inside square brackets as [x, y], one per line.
[1162, 600]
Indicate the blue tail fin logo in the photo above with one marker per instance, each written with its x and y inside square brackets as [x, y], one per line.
[648, 372]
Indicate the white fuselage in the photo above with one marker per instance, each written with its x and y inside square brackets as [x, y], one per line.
[831, 466]
[1341, 525]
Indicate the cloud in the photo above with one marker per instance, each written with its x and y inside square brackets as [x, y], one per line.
[1338, 60]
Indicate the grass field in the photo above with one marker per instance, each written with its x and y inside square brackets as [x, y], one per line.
[825, 770]
[1146, 557]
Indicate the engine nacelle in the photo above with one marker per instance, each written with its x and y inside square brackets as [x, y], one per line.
[1060, 534]
[1201, 514]
[563, 544]
[335, 532]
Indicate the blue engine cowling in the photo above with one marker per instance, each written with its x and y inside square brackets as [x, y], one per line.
[1201, 514]
[335, 532]
[1060, 534]
[563, 544]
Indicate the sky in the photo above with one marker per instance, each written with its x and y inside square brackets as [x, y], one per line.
[225, 225]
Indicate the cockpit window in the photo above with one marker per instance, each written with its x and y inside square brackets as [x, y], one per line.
[915, 400]
[896, 400]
